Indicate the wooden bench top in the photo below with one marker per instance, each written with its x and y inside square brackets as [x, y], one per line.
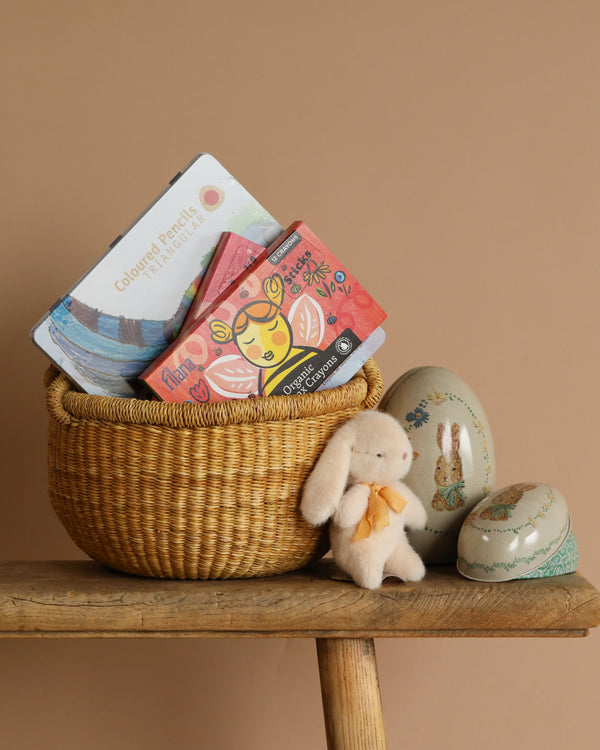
[84, 599]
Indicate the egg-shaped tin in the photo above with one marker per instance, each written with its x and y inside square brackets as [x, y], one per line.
[453, 467]
[513, 532]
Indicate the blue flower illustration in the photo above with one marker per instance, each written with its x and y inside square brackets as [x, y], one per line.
[419, 416]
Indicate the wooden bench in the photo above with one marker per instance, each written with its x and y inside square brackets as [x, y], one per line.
[81, 599]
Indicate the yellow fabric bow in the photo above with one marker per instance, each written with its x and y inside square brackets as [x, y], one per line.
[377, 515]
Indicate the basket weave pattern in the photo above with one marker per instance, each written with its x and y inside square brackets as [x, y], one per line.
[193, 490]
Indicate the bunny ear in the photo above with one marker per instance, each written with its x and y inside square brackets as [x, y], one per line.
[327, 481]
[455, 436]
[440, 435]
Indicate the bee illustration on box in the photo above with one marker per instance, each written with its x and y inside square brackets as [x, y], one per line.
[274, 344]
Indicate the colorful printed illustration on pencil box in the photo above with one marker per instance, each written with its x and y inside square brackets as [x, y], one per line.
[285, 327]
[109, 351]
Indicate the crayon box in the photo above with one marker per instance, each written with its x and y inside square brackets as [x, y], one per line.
[287, 324]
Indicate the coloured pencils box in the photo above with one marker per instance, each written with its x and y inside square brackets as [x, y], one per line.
[289, 322]
[127, 309]
[232, 256]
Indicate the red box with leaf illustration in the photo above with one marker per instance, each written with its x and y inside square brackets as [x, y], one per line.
[284, 327]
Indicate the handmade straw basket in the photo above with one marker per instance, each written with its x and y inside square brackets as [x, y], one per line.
[193, 490]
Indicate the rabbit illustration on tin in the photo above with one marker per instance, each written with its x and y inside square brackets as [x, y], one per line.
[448, 472]
[502, 507]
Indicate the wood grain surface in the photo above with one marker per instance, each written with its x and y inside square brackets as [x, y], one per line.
[349, 679]
[83, 599]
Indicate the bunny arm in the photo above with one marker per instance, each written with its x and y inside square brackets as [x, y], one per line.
[414, 514]
[352, 506]
[325, 485]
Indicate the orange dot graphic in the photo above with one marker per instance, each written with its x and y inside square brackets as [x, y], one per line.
[254, 351]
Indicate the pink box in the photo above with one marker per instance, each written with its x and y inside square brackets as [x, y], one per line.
[284, 327]
[232, 256]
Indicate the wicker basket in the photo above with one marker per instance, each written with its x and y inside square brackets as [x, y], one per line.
[193, 490]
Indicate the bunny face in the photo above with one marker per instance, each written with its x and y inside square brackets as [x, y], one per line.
[380, 451]
[448, 471]
[371, 447]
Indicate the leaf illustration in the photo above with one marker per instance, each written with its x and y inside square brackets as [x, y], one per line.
[307, 321]
[232, 376]
[196, 347]
[321, 293]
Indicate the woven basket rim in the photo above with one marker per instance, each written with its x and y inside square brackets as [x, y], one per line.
[67, 404]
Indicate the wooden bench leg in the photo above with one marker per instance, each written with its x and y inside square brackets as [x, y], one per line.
[350, 692]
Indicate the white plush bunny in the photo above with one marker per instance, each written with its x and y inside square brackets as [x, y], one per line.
[356, 483]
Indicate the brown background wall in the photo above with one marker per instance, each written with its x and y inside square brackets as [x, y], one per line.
[449, 153]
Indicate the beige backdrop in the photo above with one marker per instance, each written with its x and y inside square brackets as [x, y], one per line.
[449, 153]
